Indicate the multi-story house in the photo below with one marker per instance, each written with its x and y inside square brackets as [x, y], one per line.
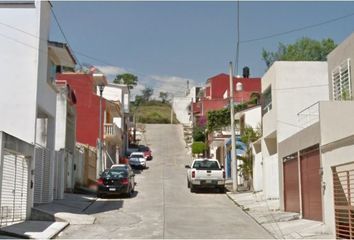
[87, 109]
[119, 94]
[287, 88]
[216, 94]
[28, 107]
[316, 163]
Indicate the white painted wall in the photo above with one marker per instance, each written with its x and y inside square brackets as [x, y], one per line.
[271, 177]
[61, 114]
[257, 172]
[19, 60]
[113, 92]
[180, 107]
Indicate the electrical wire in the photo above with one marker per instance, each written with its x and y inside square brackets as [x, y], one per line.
[62, 32]
[297, 29]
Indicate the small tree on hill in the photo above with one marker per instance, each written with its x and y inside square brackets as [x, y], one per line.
[128, 79]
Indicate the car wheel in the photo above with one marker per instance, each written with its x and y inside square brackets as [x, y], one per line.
[99, 195]
[192, 188]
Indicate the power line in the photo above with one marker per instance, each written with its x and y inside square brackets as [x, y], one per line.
[297, 29]
[62, 32]
[238, 40]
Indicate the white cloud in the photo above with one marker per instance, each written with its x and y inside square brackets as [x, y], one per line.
[112, 71]
[171, 84]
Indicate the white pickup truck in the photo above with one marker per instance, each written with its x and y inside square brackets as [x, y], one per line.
[205, 173]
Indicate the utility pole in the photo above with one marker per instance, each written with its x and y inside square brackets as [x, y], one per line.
[100, 163]
[233, 140]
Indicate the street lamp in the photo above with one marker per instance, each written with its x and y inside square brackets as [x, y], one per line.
[100, 163]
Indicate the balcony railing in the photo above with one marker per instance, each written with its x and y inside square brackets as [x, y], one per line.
[309, 115]
[112, 133]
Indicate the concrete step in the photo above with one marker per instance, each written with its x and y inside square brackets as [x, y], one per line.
[34, 229]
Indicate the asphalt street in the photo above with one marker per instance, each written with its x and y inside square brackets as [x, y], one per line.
[163, 206]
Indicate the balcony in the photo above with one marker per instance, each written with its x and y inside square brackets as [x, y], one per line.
[309, 115]
[112, 133]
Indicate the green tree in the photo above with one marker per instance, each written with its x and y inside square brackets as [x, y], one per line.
[198, 134]
[147, 93]
[126, 78]
[304, 49]
[249, 135]
[163, 96]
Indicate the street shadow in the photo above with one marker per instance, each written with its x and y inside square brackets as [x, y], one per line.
[209, 191]
[105, 205]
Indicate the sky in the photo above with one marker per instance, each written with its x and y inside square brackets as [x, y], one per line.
[167, 44]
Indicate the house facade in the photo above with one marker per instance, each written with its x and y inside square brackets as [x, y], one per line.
[28, 106]
[295, 84]
[317, 162]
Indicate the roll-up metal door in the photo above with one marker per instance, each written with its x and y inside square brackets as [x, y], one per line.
[44, 172]
[14, 189]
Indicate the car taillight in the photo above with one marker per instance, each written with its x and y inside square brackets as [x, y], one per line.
[100, 181]
[193, 174]
[223, 174]
[125, 181]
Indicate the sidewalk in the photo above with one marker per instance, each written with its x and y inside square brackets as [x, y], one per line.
[282, 225]
[48, 220]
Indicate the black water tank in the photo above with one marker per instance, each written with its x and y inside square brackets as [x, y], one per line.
[246, 72]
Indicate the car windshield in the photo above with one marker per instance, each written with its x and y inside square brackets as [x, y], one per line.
[206, 165]
[143, 149]
[136, 156]
[116, 172]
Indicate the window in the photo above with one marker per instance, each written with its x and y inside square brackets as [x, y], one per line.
[206, 165]
[341, 82]
[52, 71]
[267, 100]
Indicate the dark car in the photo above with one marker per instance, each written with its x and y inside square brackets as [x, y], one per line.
[117, 180]
[146, 150]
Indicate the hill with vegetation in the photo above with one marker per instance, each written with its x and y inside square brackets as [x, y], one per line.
[153, 112]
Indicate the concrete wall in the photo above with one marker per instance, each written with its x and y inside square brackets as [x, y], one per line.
[337, 120]
[341, 53]
[298, 85]
[271, 177]
[180, 107]
[60, 136]
[20, 55]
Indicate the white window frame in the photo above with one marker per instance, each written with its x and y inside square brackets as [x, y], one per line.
[341, 76]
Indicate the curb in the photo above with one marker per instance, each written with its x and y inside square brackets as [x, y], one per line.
[12, 234]
[243, 209]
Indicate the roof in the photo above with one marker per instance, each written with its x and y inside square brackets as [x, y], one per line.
[61, 54]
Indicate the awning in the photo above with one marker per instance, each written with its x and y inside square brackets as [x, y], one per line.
[61, 55]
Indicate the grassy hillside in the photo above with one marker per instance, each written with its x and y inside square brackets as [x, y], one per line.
[154, 112]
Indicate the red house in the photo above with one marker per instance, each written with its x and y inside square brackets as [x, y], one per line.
[87, 106]
[217, 93]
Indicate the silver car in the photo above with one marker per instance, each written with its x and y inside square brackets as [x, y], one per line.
[137, 159]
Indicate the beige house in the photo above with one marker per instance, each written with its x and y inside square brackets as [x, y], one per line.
[317, 168]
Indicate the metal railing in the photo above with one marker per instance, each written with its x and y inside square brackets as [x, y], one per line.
[309, 115]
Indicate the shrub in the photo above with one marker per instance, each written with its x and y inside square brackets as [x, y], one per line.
[198, 147]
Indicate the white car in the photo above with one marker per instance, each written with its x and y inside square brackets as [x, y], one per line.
[205, 173]
[137, 159]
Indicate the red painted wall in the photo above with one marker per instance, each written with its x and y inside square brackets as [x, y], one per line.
[220, 83]
[87, 107]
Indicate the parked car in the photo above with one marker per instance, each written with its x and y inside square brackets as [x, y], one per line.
[137, 159]
[147, 152]
[205, 173]
[119, 179]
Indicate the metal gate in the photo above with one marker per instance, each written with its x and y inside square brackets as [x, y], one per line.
[343, 191]
[44, 176]
[14, 189]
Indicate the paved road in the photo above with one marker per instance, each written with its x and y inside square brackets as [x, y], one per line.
[163, 206]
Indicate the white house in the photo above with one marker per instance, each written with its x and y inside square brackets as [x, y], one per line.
[287, 88]
[317, 164]
[119, 93]
[27, 104]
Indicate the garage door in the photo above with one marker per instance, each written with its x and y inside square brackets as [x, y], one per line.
[291, 184]
[311, 184]
[14, 188]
